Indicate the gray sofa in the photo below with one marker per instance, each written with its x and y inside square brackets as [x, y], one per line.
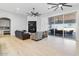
[22, 35]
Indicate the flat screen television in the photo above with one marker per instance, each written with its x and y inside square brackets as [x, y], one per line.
[32, 26]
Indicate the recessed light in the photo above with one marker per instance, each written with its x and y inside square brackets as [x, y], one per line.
[17, 8]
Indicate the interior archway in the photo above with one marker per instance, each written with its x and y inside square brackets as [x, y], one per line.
[5, 26]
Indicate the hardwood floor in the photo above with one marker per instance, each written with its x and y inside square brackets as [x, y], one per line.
[51, 46]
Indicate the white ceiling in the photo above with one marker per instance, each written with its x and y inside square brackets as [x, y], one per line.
[22, 8]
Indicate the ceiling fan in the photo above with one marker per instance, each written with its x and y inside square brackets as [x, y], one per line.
[33, 13]
[58, 5]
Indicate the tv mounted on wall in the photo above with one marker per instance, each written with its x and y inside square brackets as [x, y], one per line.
[32, 26]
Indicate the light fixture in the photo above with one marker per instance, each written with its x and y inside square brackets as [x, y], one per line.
[17, 9]
[33, 13]
[60, 6]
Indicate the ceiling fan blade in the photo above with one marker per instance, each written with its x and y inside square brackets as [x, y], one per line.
[61, 8]
[68, 5]
[62, 3]
[52, 7]
[52, 3]
[28, 14]
[38, 14]
[55, 9]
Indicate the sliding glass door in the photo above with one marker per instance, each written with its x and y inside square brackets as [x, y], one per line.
[69, 25]
[51, 26]
[63, 25]
[58, 25]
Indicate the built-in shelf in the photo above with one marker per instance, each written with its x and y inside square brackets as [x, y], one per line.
[4, 25]
[4, 30]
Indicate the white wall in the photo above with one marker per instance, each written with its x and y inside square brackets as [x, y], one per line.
[77, 26]
[44, 23]
[18, 22]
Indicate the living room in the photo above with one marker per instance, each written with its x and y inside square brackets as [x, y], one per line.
[28, 29]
